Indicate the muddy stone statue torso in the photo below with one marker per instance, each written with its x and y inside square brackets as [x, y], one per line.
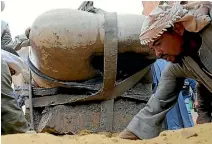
[68, 44]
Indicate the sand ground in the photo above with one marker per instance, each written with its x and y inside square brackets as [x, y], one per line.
[200, 134]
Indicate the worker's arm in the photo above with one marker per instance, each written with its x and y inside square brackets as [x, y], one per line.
[148, 122]
[20, 41]
[7, 42]
[6, 39]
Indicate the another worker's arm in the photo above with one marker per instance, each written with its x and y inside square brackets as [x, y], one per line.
[6, 39]
[148, 122]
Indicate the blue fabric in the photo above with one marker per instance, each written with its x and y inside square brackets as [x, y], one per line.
[157, 69]
[180, 115]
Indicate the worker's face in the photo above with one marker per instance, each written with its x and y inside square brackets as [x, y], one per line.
[169, 45]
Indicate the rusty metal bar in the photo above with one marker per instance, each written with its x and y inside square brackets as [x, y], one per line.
[106, 116]
[110, 70]
[110, 51]
[30, 102]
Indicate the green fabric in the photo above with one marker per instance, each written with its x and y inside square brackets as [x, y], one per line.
[12, 117]
[191, 104]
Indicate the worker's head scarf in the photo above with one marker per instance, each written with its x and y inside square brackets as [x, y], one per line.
[194, 17]
[13, 61]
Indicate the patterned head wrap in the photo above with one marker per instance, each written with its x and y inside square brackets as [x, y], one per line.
[194, 17]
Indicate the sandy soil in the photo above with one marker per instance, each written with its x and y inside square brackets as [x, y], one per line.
[200, 134]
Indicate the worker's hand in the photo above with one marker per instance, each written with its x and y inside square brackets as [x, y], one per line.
[195, 105]
[27, 31]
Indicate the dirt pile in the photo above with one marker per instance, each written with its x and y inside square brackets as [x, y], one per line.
[200, 134]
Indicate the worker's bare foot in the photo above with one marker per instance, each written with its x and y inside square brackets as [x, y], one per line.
[128, 135]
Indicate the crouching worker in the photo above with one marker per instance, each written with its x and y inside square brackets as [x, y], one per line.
[12, 117]
[181, 34]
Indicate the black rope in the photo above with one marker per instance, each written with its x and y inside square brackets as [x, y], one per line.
[85, 84]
